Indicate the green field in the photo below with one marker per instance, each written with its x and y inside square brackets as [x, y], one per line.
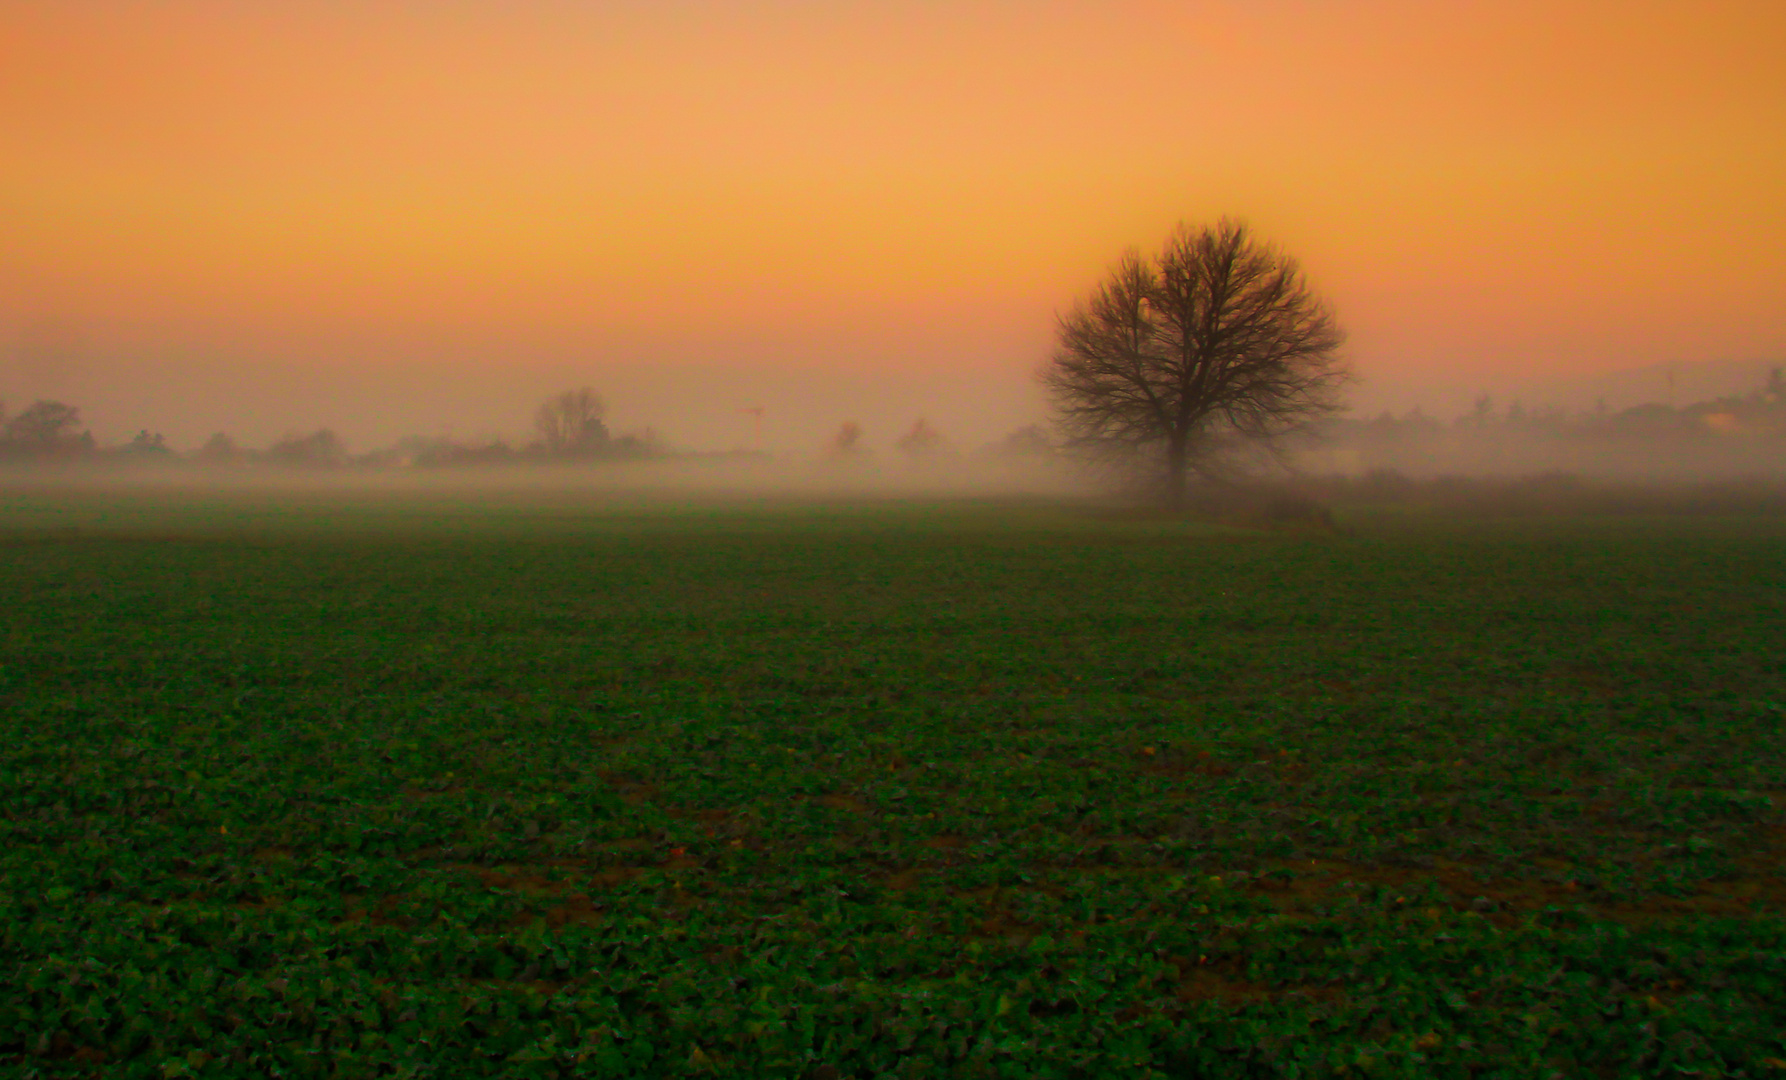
[408, 785]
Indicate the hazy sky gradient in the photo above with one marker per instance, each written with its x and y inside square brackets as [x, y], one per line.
[394, 217]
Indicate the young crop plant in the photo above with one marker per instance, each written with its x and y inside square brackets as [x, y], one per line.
[1138, 799]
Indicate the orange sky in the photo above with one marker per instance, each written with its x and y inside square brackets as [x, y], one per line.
[654, 192]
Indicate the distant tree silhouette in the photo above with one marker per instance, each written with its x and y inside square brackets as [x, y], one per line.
[219, 449]
[571, 422]
[424, 453]
[149, 444]
[921, 441]
[636, 445]
[1653, 420]
[1029, 441]
[1215, 344]
[47, 427]
[847, 442]
[320, 448]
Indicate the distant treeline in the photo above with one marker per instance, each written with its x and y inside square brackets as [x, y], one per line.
[26, 439]
[1744, 432]
[1740, 434]
[570, 428]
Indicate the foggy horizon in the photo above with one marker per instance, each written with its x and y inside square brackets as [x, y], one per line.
[690, 406]
[391, 221]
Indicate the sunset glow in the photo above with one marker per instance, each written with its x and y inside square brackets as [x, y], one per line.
[873, 189]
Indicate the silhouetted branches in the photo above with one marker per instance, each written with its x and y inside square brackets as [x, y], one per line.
[571, 422]
[1214, 345]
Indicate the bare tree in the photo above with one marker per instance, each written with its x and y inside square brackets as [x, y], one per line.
[1030, 442]
[45, 427]
[922, 441]
[846, 443]
[571, 422]
[1216, 344]
[319, 449]
[219, 449]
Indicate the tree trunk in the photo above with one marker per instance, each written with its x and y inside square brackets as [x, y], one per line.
[1177, 470]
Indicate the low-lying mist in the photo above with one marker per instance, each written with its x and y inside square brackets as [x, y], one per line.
[1726, 451]
[705, 476]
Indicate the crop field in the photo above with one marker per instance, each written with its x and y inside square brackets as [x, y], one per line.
[432, 786]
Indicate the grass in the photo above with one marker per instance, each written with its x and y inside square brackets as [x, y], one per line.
[423, 786]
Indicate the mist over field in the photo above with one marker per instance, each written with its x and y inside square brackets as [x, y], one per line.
[643, 485]
[765, 424]
[1673, 424]
[779, 538]
[374, 390]
[700, 399]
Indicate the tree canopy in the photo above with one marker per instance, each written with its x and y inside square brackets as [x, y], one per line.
[1216, 343]
[571, 422]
